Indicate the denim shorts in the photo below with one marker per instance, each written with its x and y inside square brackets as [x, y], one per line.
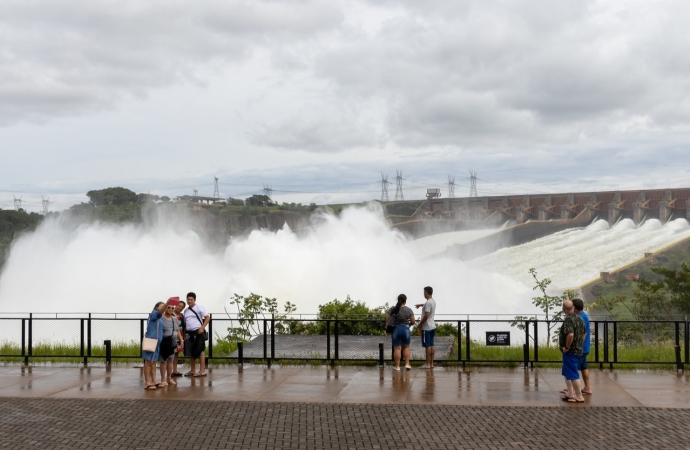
[428, 338]
[570, 364]
[401, 335]
[582, 362]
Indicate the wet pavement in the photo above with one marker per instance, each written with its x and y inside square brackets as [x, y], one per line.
[349, 384]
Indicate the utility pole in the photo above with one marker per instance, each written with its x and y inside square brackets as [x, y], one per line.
[398, 186]
[216, 193]
[473, 183]
[17, 203]
[384, 187]
[451, 186]
[45, 203]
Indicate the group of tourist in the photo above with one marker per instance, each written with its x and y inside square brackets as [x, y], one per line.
[573, 340]
[399, 320]
[176, 328]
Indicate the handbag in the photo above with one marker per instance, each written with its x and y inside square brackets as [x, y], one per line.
[150, 344]
[201, 322]
[389, 326]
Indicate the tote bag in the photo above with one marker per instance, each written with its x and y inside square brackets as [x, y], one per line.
[149, 344]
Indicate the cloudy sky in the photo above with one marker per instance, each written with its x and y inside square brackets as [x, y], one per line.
[317, 97]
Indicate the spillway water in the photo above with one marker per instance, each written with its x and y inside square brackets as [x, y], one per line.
[437, 244]
[127, 268]
[575, 256]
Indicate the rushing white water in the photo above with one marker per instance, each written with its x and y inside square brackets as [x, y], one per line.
[573, 257]
[437, 244]
[109, 268]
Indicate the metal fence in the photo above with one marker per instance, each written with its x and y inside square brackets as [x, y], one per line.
[469, 341]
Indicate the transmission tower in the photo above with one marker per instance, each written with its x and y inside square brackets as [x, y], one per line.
[451, 186]
[473, 183]
[384, 187]
[398, 186]
[17, 203]
[268, 191]
[196, 192]
[45, 203]
[216, 193]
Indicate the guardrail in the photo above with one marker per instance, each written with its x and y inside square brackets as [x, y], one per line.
[526, 342]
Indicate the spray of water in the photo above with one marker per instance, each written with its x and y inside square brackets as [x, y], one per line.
[575, 256]
[127, 268]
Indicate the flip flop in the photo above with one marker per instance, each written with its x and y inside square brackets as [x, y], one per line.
[163, 384]
[574, 400]
[189, 374]
[150, 387]
[176, 374]
[586, 393]
[565, 398]
[199, 375]
[564, 391]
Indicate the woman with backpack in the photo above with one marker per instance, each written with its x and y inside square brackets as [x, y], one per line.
[400, 317]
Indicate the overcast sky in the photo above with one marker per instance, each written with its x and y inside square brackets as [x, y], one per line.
[316, 98]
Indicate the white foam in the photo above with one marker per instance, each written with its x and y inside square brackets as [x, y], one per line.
[573, 257]
[437, 244]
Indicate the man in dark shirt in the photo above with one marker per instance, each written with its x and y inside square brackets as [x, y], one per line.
[570, 338]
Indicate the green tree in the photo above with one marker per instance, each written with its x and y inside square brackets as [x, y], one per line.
[250, 313]
[112, 196]
[675, 287]
[550, 305]
[258, 200]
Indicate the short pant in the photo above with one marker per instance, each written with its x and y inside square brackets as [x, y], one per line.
[169, 358]
[194, 344]
[428, 338]
[401, 335]
[570, 364]
[582, 361]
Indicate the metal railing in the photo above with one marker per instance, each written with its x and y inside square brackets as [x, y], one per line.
[93, 338]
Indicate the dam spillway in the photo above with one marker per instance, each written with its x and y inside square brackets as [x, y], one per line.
[572, 257]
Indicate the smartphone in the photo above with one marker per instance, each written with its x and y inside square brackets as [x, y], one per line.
[174, 301]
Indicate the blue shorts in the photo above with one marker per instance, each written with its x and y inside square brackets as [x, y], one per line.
[582, 361]
[428, 338]
[401, 335]
[570, 365]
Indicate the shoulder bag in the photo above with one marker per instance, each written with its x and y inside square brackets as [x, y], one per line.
[201, 322]
[390, 326]
[150, 344]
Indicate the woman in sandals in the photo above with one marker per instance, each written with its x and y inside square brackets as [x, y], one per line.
[402, 318]
[168, 345]
[153, 331]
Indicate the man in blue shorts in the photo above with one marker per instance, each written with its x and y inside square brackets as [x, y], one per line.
[582, 365]
[570, 338]
[428, 326]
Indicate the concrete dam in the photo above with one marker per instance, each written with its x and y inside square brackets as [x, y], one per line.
[572, 237]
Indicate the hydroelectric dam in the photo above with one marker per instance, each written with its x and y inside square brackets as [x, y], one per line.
[573, 238]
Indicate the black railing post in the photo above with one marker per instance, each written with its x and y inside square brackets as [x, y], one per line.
[240, 354]
[686, 341]
[679, 363]
[328, 340]
[381, 354]
[337, 355]
[536, 340]
[108, 352]
[615, 343]
[596, 340]
[273, 337]
[467, 341]
[82, 343]
[88, 340]
[26, 360]
[459, 341]
[142, 331]
[31, 337]
[265, 342]
[210, 336]
[606, 344]
[526, 343]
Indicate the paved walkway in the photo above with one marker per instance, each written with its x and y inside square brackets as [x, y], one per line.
[339, 408]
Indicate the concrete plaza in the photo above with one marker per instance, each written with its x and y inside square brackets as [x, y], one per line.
[339, 407]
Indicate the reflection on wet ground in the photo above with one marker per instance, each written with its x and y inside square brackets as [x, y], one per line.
[348, 384]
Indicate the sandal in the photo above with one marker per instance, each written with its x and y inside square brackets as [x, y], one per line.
[199, 375]
[176, 374]
[150, 387]
[189, 374]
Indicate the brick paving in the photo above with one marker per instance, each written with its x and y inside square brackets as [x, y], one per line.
[38, 423]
